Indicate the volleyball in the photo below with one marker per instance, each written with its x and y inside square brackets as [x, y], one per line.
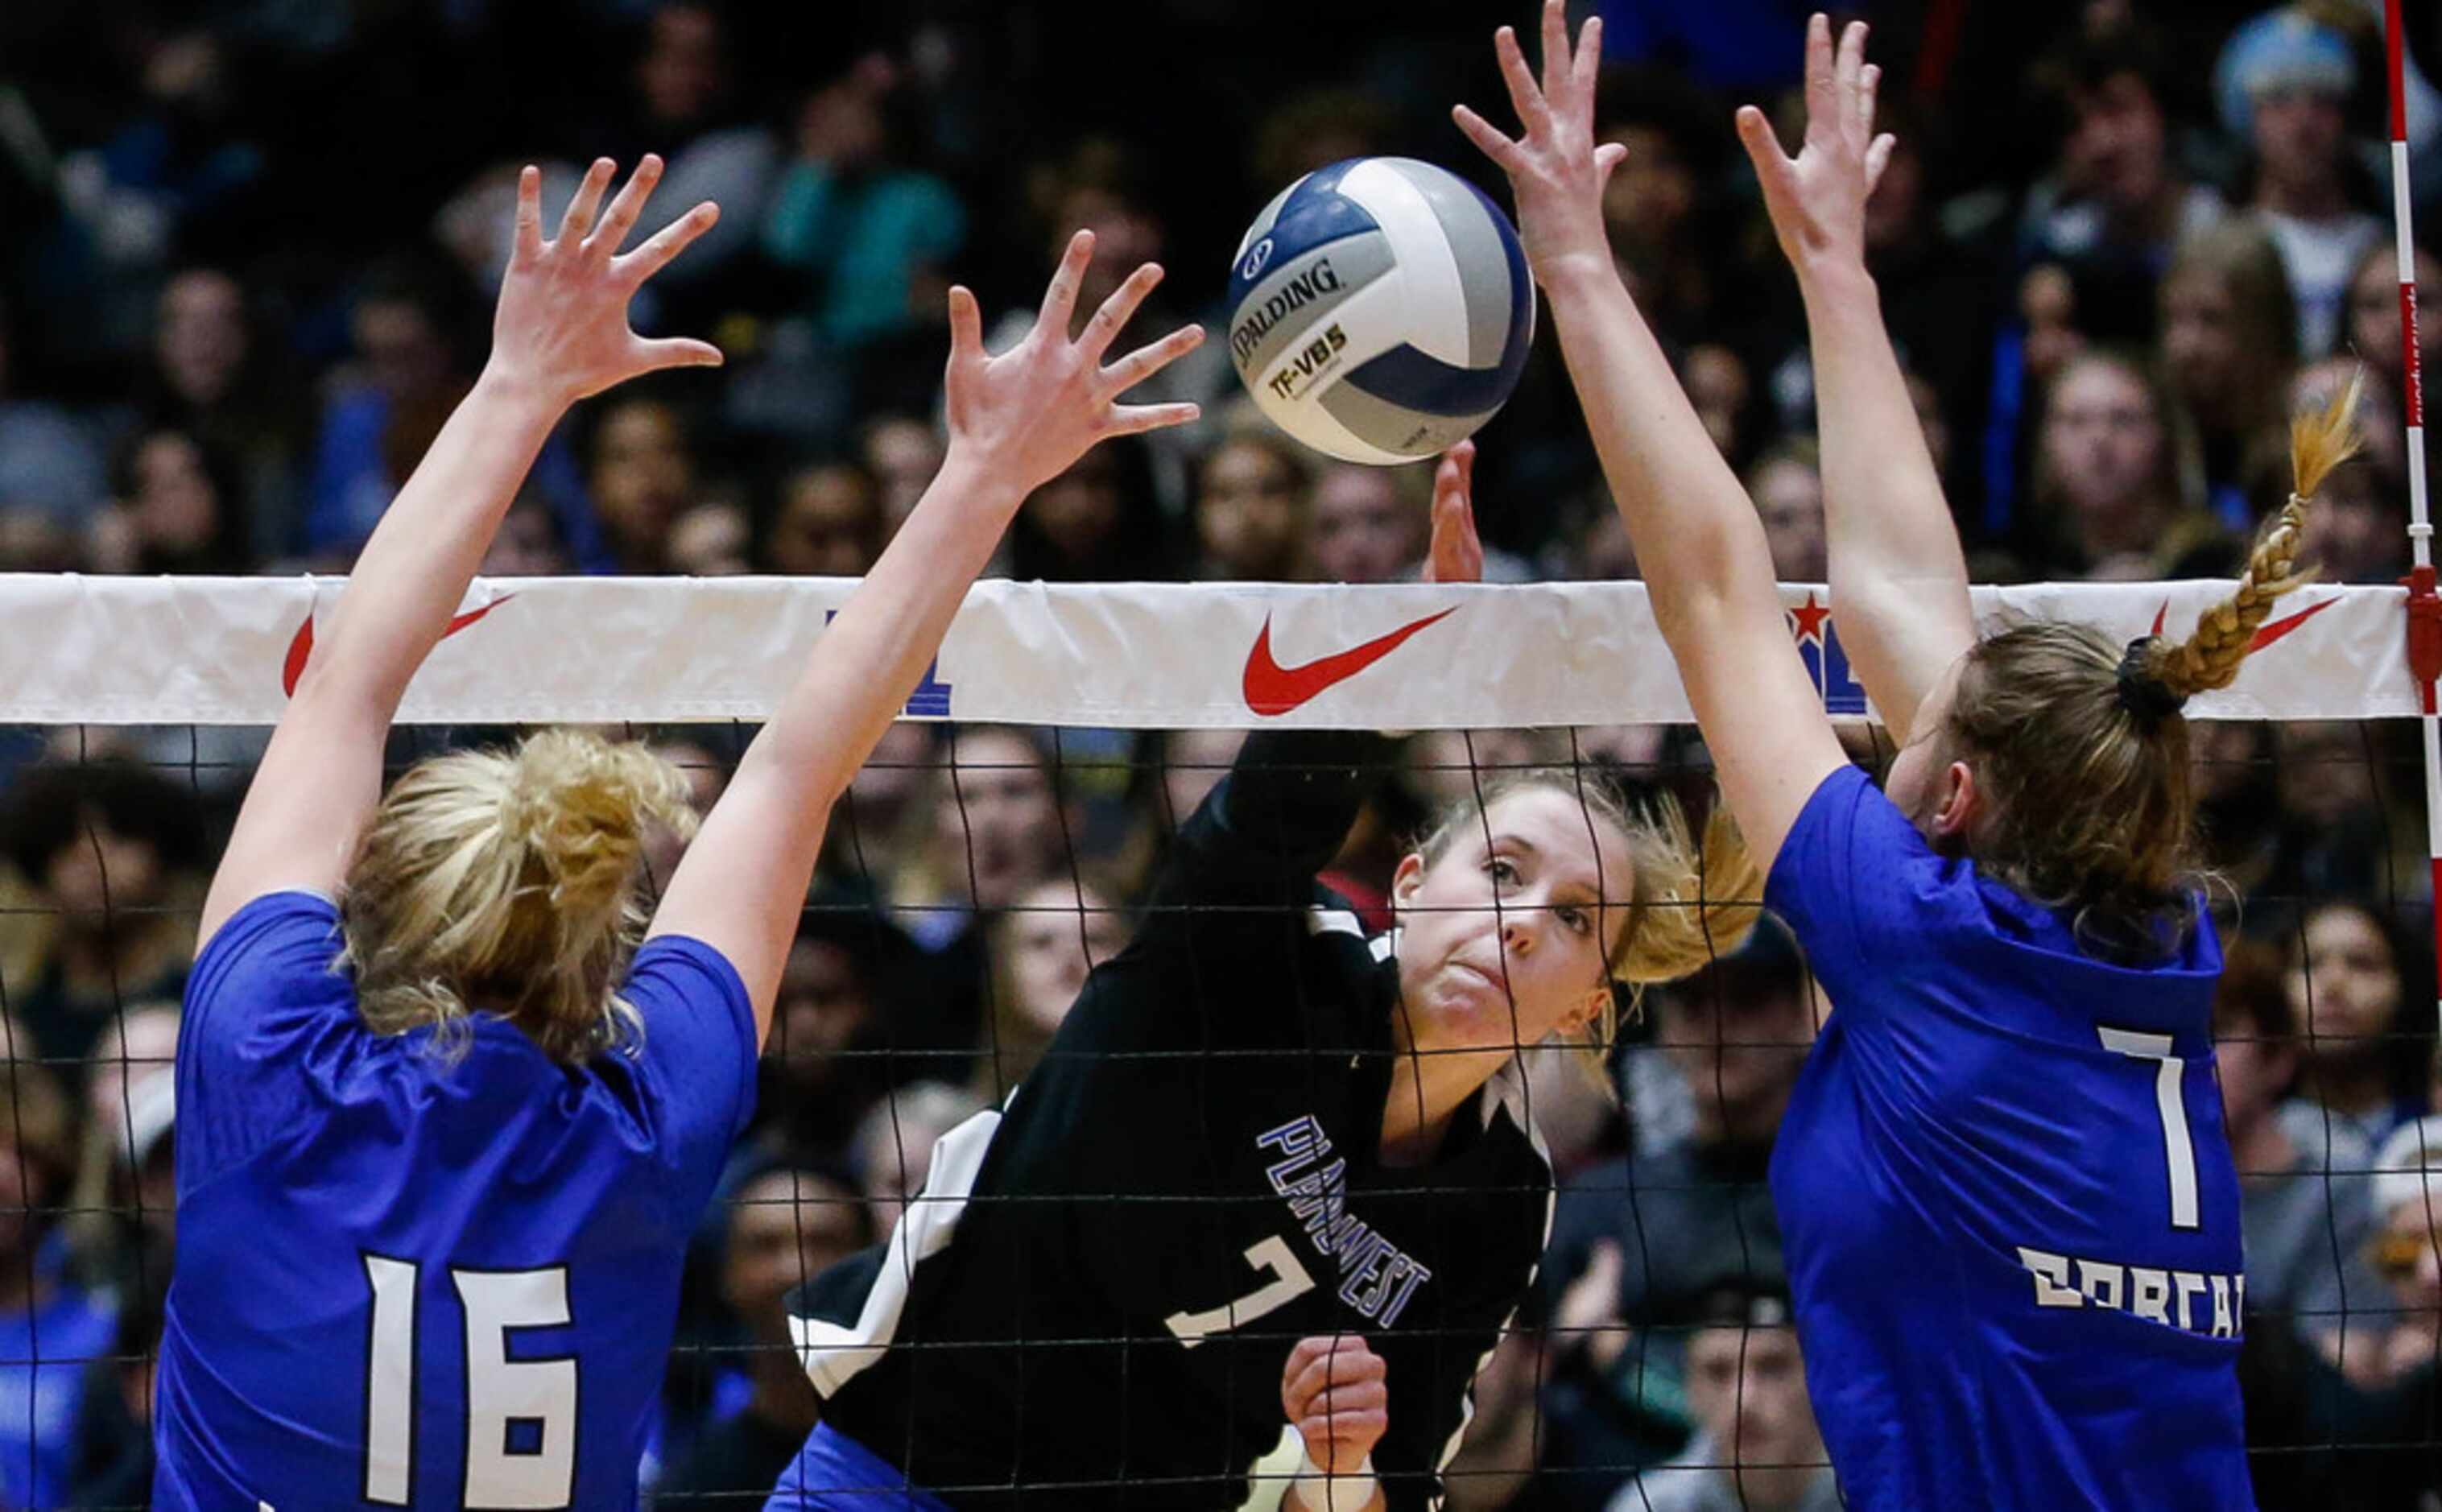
[1380, 309]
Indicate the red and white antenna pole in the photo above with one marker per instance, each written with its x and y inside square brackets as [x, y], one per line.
[2424, 604]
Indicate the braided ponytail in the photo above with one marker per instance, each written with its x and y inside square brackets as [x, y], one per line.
[2209, 658]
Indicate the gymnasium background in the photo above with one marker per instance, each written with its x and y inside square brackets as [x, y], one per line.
[248, 249]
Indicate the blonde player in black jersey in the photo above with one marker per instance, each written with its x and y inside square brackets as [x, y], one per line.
[1269, 1165]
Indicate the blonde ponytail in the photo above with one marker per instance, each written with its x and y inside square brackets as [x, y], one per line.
[507, 882]
[2209, 658]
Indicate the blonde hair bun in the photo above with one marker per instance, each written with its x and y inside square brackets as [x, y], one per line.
[507, 882]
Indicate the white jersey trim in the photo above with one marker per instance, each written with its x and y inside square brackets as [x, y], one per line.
[834, 1355]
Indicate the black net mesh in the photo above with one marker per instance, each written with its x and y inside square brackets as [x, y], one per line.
[972, 878]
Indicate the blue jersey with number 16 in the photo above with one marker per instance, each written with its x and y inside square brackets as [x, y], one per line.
[2006, 1195]
[412, 1278]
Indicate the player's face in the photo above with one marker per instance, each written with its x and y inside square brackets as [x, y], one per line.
[1505, 938]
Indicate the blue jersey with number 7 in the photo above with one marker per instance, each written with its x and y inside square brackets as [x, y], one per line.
[2009, 1204]
[412, 1278]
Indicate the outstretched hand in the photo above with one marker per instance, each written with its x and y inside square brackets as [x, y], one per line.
[1456, 555]
[561, 327]
[1556, 170]
[1030, 411]
[1817, 199]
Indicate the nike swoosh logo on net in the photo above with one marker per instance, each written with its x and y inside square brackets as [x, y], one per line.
[300, 645]
[1271, 688]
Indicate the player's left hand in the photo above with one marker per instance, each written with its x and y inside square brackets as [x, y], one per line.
[1817, 199]
[1335, 1392]
[1456, 555]
[561, 327]
[1556, 169]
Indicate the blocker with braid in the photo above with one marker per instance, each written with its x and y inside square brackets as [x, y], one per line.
[2013, 1105]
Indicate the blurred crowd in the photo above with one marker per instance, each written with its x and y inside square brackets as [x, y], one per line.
[247, 252]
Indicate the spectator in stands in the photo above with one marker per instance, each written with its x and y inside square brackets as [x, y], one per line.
[410, 327]
[1372, 524]
[2116, 200]
[529, 544]
[49, 465]
[2108, 495]
[866, 234]
[639, 470]
[829, 523]
[996, 824]
[214, 375]
[1638, 1243]
[111, 1464]
[1657, 206]
[2374, 311]
[111, 851]
[821, 1067]
[2338, 836]
[2403, 1250]
[2307, 1212]
[1053, 934]
[687, 108]
[2283, 82]
[712, 539]
[1756, 1447]
[785, 1224]
[903, 453]
[1254, 497]
[124, 1201]
[1786, 483]
[1098, 522]
[2343, 984]
[178, 506]
[893, 1151]
[2230, 343]
[1110, 187]
[51, 1329]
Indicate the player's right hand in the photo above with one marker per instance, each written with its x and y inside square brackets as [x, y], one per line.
[1024, 415]
[1456, 555]
[1335, 1393]
[1817, 199]
[560, 332]
[1555, 169]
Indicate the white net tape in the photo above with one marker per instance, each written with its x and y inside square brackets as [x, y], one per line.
[199, 650]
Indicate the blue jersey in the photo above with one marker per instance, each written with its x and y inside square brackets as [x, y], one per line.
[406, 1280]
[2008, 1200]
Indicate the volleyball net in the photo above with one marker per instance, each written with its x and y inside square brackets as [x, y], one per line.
[999, 843]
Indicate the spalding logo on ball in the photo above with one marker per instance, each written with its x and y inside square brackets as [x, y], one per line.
[1380, 309]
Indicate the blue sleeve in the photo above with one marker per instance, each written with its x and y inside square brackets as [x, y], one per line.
[698, 1055]
[261, 992]
[1858, 886]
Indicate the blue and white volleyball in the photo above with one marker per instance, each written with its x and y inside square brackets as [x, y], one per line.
[1380, 309]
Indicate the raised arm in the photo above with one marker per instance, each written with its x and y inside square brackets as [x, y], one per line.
[1898, 583]
[560, 333]
[1703, 552]
[1016, 421]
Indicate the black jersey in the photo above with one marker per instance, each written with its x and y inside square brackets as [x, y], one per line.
[1102, 1280]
